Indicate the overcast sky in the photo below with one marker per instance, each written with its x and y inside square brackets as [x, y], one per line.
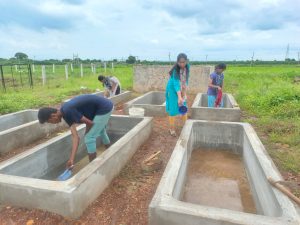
[150, 29]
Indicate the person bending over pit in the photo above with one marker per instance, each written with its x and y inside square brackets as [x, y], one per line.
[111, 84]
[176, 90]
[215, 86]
[92, 110]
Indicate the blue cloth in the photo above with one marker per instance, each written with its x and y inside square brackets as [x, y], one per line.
[98, 130]
[211, 99]
[85, 105]
[217, 79]
[173, 86]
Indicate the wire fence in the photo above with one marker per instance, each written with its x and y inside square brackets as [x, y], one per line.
[16, 77]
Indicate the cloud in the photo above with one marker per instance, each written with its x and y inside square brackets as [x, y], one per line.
[29, 16]
[150, 29]
[219, 17]
[74, 2]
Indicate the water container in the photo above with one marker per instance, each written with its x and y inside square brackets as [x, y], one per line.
[137, 112]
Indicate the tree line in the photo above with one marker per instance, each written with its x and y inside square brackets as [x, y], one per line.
[22, 58]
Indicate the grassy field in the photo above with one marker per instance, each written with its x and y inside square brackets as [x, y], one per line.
[267, 95]
[270, 101]
[57, 87]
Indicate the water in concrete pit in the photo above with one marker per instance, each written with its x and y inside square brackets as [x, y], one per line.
[217, 178]
[54, 173]
[85, 160]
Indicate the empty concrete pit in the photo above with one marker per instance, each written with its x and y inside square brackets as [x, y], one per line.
[122, 97]
[217, 174]
[153, 102]
[22, 128]
[229, 112]
[30, 179]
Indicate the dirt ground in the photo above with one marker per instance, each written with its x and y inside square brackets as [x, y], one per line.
[125, 201]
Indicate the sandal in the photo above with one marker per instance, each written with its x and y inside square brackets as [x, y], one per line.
[172, 133]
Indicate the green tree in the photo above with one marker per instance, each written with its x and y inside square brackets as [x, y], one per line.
[21, 56]
[131, 59]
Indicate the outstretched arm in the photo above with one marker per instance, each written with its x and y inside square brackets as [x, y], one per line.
[75, 143]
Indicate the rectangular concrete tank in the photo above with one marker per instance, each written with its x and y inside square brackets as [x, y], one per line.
[22, 128]
[27, 179]
[229, 112]
[272, 206]
[123, 96]
[153, 102]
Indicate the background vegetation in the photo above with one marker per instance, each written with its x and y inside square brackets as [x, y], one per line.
[267, 94]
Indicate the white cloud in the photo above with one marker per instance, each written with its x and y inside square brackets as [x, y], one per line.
[150, 28]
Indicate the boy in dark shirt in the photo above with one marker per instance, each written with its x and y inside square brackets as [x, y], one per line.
[92, 110]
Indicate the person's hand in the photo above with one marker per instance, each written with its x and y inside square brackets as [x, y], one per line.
[219, 88]
[180, 101]
[70, 164]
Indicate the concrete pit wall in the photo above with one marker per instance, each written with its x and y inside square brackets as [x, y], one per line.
[122, 97]
[22, 178]
[153, 102]
[22, 128]
[155, 78]
[230, 112]
[273, 207]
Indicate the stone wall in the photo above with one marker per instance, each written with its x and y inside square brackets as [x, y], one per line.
[155, 78]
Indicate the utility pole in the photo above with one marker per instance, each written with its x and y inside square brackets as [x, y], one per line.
[252, 59]
[287, 52]
[206, 56]
[169, 58]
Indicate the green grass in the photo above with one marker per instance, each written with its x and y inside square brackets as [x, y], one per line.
[57, 88]
[269, 99]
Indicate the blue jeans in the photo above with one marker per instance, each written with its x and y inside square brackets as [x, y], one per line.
[98, 130]
[211, 99]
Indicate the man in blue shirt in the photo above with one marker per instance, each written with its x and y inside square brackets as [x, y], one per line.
[92, 110]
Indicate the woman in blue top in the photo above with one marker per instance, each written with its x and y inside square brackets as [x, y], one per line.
[176, 90]
[216, 80]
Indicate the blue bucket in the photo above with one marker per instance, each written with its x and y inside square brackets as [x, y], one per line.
[183, 109]
[65, 175]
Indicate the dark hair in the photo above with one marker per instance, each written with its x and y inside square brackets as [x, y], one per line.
[177, 68]
[101, 78]
[181, 56]
[221, 66]
[44, 114]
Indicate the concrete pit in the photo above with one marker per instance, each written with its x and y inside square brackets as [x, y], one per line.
[29, 179]
[229, 112]
[122, 97]
[199, 185]
[153, 102]
[22, 128]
